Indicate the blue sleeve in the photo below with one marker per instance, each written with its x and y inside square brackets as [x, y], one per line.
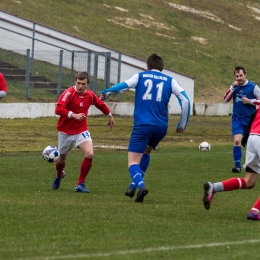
[185, 109]
[120, 87]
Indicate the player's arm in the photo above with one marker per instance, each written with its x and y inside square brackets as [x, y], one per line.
[254, 101]
[61, 107]
[185, 111]
[98, 103]
[184, 102]
[3, 86]
[229, 94]
[61, 110]
[110, 120]
[120, 87]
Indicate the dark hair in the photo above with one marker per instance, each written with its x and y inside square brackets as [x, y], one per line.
[82, 75]
[238, 68]
[155, 61]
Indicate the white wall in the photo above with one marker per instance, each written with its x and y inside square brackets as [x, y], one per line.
[35, 110]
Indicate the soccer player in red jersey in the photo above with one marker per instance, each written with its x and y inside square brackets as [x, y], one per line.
[251, 140]
[72, 107]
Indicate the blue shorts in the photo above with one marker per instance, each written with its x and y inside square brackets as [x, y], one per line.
[239, 126]
[145, 135]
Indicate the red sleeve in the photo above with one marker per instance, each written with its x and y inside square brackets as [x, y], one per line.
[64, 99]
[3, 85]
[228, 95]
[101, 105]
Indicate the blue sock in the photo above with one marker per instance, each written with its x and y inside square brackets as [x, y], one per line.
[145, 161]
[132, 185]
[237, 153]
[136, 175]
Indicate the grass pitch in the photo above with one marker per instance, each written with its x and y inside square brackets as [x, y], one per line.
[39, 223]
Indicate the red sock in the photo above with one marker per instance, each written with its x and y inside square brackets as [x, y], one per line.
[256, 205]
[234, 184]
[59, 169]
[84, 169]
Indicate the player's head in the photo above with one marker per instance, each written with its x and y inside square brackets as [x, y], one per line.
[238, 68]
[82, 75]
[82, 81]
[240, 74]
[155, 62]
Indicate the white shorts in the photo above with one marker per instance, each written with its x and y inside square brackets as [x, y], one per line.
[66, 142]
[253, 153]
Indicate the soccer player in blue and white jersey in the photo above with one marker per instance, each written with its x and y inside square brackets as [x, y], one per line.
[246, 96]
[153, 90]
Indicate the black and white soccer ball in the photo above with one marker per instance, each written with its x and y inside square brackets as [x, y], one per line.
[204, 147]
[50, 153]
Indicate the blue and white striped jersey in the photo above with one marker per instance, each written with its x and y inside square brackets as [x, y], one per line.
[153, 91]
[249, 90]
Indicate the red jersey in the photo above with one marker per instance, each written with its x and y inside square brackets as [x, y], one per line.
[255, 127]
[2, 83]
[72, 101]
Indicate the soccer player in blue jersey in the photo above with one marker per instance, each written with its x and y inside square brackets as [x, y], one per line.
[246, 95]
[153, 90]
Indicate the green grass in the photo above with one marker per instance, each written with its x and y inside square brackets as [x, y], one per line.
[43, 224]
[17, 91]
[38, 223]
[35, 134]
[211, 64]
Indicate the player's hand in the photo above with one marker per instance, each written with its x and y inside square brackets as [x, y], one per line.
[245, 100]
[104, 96]
[180, 130]
[235, 84]
[110, 122]
[79, 117]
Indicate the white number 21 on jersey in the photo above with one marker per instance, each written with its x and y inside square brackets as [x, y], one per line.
[149, 85]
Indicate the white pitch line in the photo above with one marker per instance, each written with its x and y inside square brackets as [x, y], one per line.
[111, 146]
[138, 251]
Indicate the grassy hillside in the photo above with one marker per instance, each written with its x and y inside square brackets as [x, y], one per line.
[203, 39]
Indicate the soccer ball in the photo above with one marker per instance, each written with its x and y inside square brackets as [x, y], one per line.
[50, 153]
[204, 147]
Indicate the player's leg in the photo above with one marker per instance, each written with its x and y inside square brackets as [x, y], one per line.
[143, 139]
[60, 165]
[253, 163]
[84, 142]
[254, 213]
[136, 174]
[252, 167]
[134, 168]
[144, 163]
[237, 153]
[137, 144]
[65, 143]
[237, 132]
[227, 185]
